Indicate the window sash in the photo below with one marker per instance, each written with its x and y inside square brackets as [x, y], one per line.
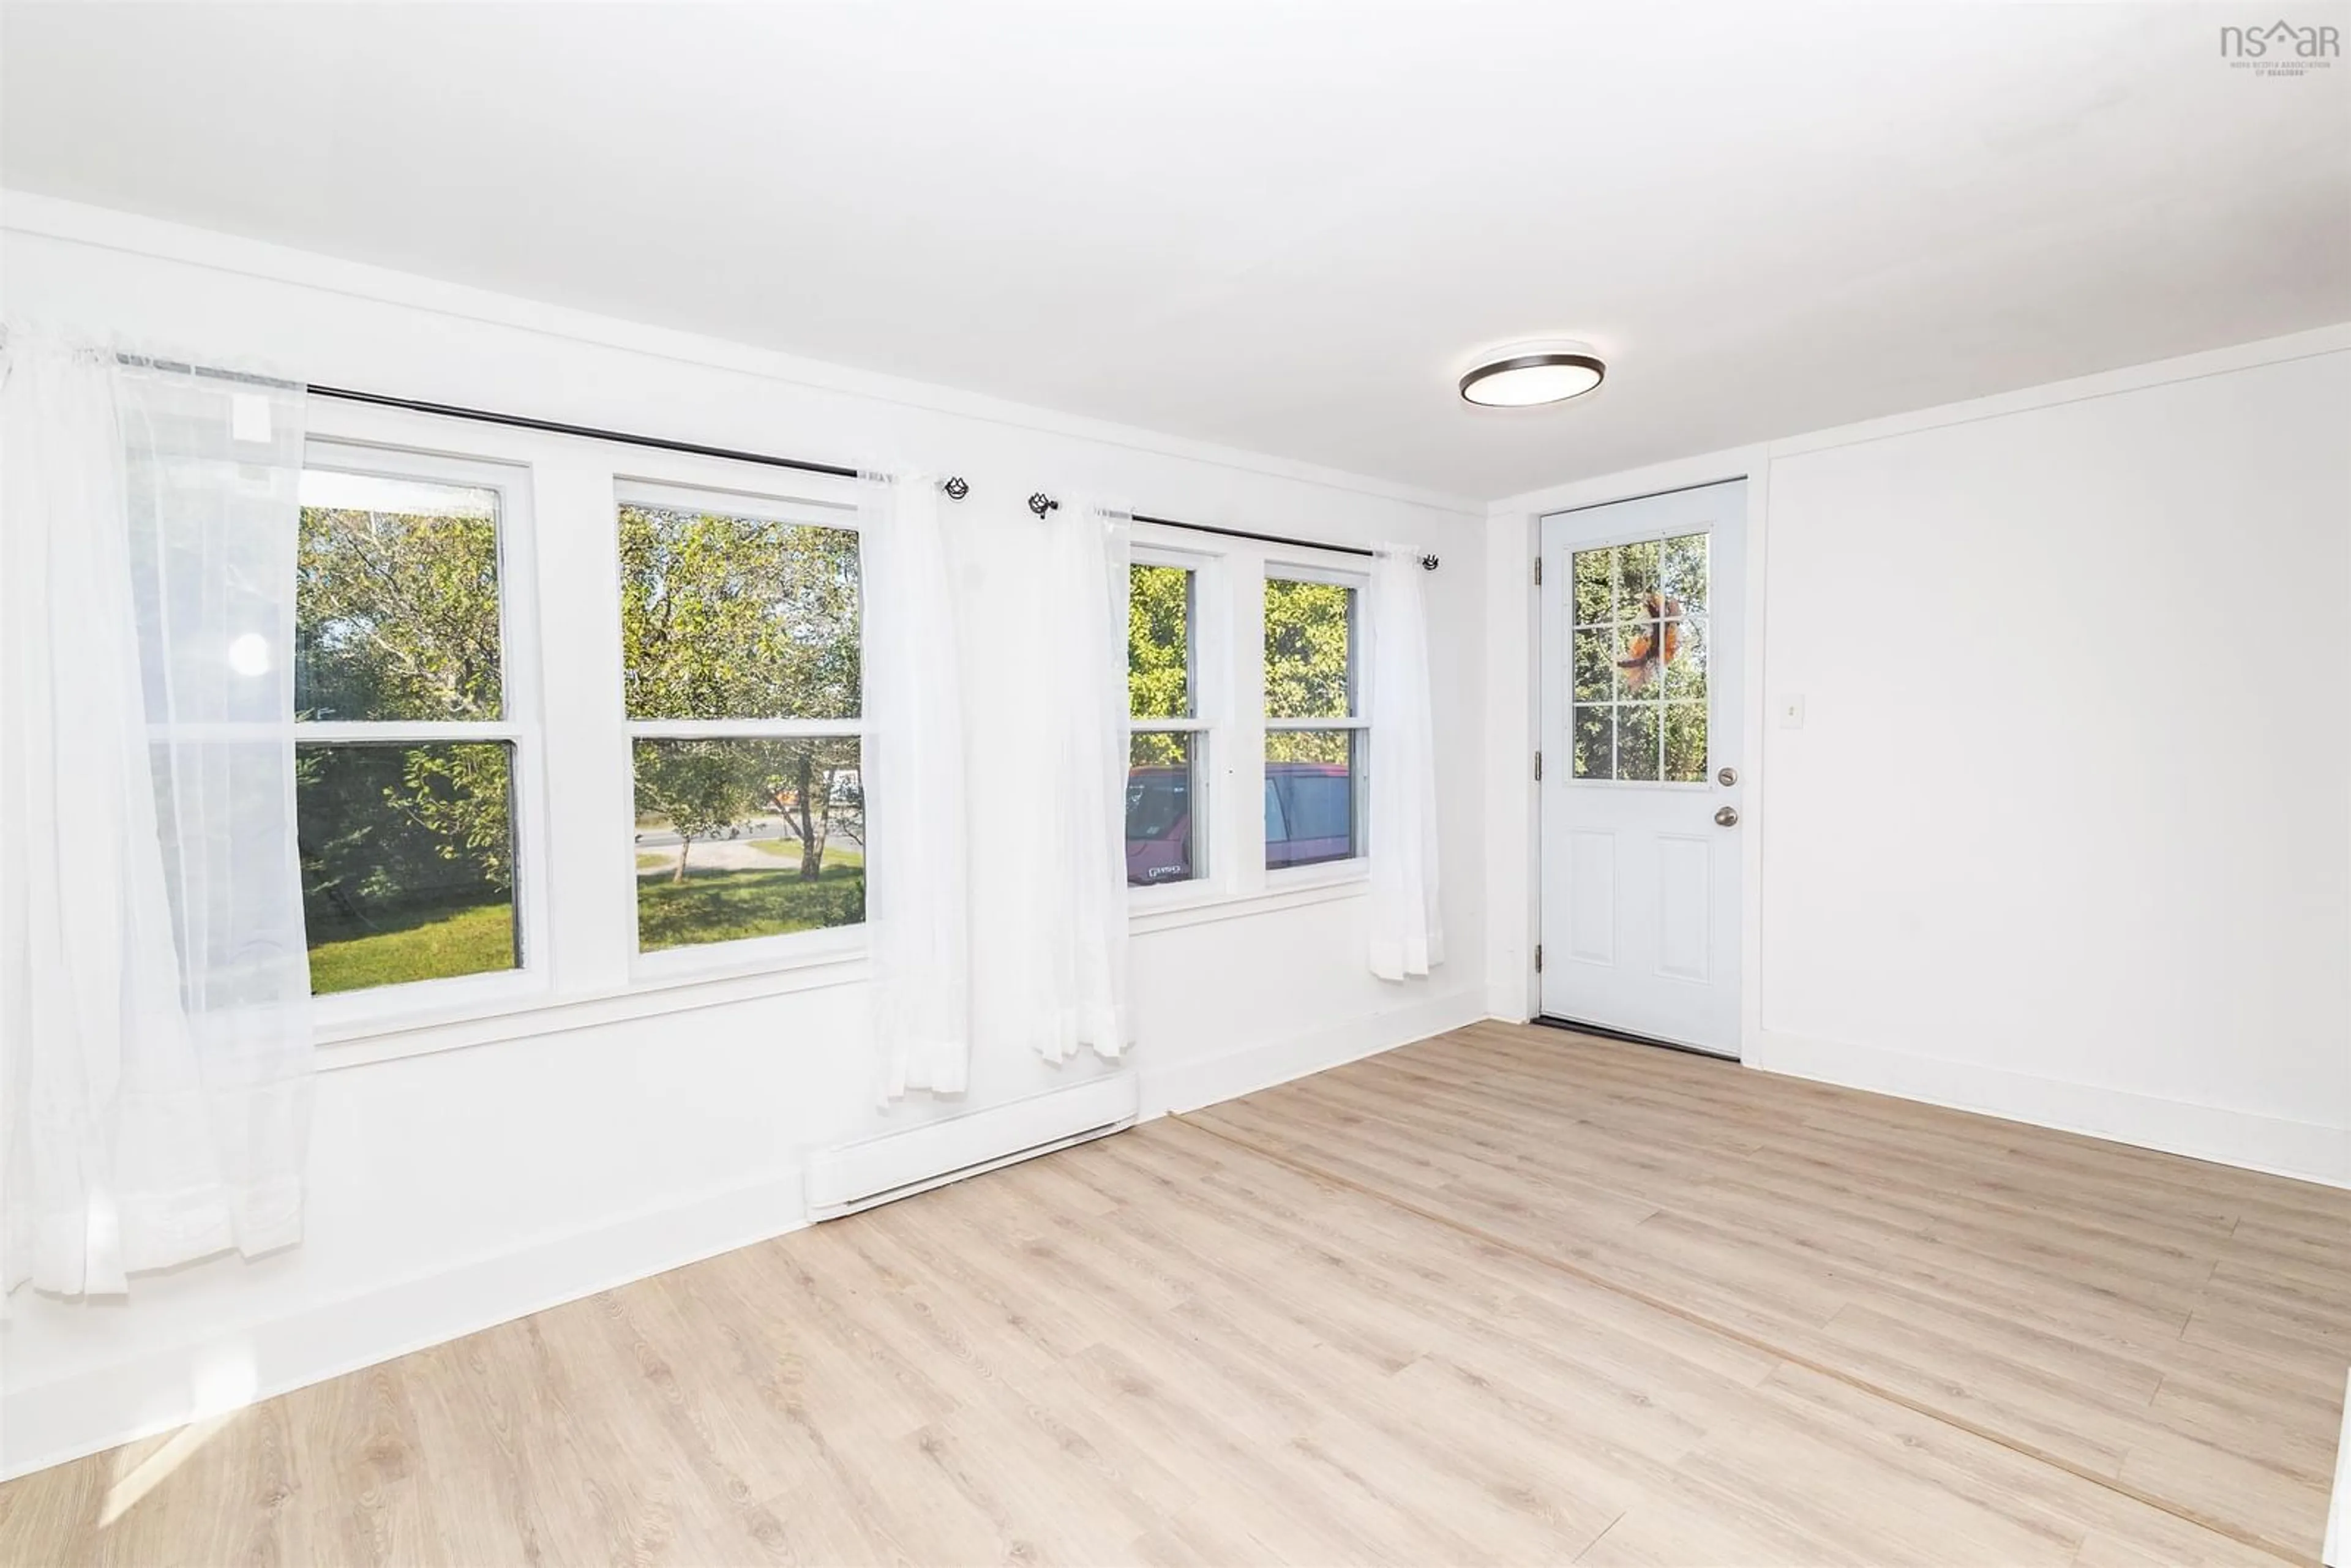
[797, 512]
[513, 478]
[1190, 566]
[1357, 586]
[516, 581]
[745, 955]
[791, 511]
[1353, 722]
[742, 728]
[394, 731]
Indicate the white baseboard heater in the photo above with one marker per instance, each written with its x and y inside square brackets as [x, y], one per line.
[850, 1177]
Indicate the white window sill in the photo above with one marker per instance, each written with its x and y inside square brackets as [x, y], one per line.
[1171, 909]
[422, 1033]
[355, 1041]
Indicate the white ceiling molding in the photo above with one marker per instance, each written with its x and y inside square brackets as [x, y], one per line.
[1253, 227]
[77, 223]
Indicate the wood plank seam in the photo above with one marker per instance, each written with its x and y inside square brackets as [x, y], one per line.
[2115, 1484]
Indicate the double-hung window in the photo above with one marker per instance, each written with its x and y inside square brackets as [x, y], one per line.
[1166, 779]
[740, 626]
[1314, 729]
[411, 743]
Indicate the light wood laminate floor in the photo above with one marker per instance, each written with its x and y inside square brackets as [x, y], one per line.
[1505, 1295]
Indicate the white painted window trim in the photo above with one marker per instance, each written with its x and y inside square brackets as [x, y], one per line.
[752, 953]
[582, 969]
[345, 1013]
[1354, 869]
[1228, 670]
[457, 1028]
[581, 965]
[1209, 633]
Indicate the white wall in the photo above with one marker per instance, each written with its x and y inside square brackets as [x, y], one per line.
[508, 1171]
[2064, 835]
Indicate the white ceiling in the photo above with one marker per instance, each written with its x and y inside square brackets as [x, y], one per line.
[1281, 227]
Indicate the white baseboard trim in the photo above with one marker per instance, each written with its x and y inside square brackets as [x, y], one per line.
[2307, 1151]
[49, 1423]
[63, 1419]
[1188, 1086]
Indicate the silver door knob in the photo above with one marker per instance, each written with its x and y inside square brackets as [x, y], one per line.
[1727, 818]
[1727, 778]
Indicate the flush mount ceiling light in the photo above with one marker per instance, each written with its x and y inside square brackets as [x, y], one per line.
[1529, 375]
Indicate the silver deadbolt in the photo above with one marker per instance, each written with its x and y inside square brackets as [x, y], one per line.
[1727, 818]
[1727, 778]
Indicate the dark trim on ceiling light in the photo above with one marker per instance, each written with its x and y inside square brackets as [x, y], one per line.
[1493, 368]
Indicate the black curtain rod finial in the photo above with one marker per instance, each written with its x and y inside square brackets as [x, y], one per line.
[1041, 504]
[1429, 563]
[956, 487]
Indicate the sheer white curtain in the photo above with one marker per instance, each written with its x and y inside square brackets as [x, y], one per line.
[917, 861]
[156, 1020]
[1407, 932]
[1077, 990]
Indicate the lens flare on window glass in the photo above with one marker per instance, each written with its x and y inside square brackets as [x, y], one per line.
[249, 654]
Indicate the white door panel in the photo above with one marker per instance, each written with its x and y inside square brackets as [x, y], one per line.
[1641, 681]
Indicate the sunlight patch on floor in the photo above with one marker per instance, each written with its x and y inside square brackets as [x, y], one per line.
[225, 1387]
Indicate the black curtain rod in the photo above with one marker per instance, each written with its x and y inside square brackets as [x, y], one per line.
[1428, 562]
[954, 486]
[556, 427]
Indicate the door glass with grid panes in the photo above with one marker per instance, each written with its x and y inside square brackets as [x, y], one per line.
[1641, 605]
[407, 748]
[741, 657]
[1167, 743]
[1315, 729]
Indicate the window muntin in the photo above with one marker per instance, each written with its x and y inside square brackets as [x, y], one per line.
[742, 668]
[1315, 749]
[1638, 655]
[1165, 790]
[405, 760]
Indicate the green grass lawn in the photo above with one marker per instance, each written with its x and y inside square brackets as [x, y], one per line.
[432, 942]
[729, 905]
[426, 943]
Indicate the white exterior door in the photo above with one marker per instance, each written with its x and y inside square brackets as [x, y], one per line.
[1643, 608]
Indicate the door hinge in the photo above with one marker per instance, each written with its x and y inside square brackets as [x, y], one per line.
[1537, 572]
[1537, 957]
[1537, 766]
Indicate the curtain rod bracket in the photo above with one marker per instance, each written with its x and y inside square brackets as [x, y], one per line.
[1041, 504]
[956, 487]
